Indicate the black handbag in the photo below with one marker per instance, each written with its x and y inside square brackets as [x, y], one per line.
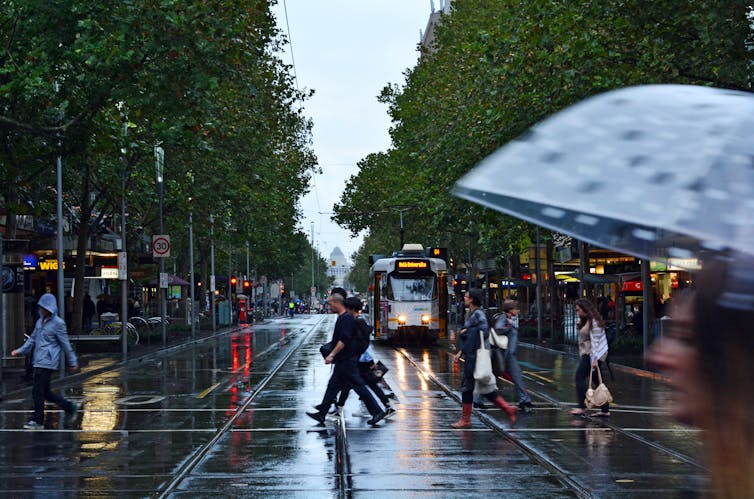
[326, 349]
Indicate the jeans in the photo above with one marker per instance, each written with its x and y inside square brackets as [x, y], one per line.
[514, 369]
[42, 391]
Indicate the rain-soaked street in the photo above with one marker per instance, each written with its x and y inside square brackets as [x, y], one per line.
[225, 416]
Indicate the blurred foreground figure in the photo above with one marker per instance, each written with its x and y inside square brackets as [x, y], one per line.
[708, 356]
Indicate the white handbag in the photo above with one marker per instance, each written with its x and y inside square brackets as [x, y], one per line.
[597, 397]
[483, 366]
[499, 340]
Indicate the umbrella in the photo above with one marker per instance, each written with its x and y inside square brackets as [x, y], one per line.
[658, 171]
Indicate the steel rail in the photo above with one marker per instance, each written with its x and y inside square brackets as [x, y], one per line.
[558, 473]
[199, 454]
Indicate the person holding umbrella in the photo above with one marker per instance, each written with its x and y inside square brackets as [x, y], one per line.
[707, 356]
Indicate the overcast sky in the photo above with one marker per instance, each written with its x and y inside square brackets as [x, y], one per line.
[347, 51]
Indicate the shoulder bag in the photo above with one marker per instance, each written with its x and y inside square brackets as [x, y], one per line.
[597, 397]
[499, 340]
[483, 365]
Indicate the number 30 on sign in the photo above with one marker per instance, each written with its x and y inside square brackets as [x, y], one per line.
[160, 246]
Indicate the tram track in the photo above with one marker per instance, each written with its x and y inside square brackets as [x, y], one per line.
[190, 463]
[561, 475]
[563, 405]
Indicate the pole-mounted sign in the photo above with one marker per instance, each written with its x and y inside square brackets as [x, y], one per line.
[160, 246]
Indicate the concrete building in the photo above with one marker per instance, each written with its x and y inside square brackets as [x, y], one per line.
[338, 267]
[428, 37]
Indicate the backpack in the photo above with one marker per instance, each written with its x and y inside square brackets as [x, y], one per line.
[361, 337]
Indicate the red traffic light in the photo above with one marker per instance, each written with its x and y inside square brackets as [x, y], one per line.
[234, 280]
[247, 285]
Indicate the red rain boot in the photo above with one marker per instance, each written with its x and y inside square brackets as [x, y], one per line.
[465, 421]
[508, 409]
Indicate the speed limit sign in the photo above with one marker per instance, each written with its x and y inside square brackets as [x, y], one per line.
[160, 246]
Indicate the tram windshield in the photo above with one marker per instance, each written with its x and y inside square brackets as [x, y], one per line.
[415, 288]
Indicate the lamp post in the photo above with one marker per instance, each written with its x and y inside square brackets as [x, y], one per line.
[123, 255]
[400, 209]
[191, 258]
[61, 271]
[159, 159]
[212, 271]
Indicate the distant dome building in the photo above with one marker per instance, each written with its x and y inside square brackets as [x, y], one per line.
[338, 267]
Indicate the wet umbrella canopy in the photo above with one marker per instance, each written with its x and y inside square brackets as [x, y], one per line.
[659, 171]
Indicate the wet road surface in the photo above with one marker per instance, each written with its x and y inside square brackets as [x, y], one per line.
[225, 417]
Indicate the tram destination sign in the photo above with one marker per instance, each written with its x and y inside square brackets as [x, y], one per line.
[412, 264]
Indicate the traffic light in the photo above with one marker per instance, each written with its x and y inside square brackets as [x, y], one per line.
[233, 280]
[246, 286]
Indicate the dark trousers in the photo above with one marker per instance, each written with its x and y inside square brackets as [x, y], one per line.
[346, 375]
[582, 378]
[371, 382]
[42, 392]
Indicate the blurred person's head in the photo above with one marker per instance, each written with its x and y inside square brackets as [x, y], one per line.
[708, 357]
[353, 305]
[588, 312]
[336, 302]
[473, 297]
[511, 307]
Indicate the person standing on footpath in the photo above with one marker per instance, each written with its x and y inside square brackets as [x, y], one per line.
[470, 342]
[47, 340]
[589, 319]
[89, 311]
[346, 371]
[505, 325]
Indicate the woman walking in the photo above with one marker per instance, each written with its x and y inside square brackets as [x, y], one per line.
[589, 321]
[469, 343]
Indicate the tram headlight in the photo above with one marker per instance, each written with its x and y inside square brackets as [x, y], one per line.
[402, 319]
[425, 318]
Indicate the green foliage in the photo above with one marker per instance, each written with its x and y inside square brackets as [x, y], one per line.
[498, 67]
[201, 78]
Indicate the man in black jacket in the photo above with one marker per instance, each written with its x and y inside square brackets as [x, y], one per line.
[344, 357]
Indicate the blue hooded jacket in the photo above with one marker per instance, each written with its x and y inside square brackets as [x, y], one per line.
[48, 338]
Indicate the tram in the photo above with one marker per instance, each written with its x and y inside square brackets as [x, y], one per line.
[408, 296]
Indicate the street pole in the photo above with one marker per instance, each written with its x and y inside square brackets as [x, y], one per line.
[248, 275]
[2, 316]
[159, 163]
[61, 271]
[538, 271]
[230, 291]
[123, 264]
[311, 294]
[191, 258]
[212, 277]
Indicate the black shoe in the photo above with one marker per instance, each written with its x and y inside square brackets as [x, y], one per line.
[526, 407]
[479, 405]
[317, 416]
[389, 412]
[377, 418]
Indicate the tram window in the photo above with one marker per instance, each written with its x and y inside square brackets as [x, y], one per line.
[412, 289]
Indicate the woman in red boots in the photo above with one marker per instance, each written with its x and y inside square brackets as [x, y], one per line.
[469, 343]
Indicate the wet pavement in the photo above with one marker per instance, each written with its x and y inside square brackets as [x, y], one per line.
[225, 417]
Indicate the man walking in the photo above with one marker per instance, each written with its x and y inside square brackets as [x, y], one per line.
[344, 358]
[505, 325]
[47, 340]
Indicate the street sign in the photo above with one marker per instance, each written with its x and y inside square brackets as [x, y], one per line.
[160, 246]
[212, 283]
[163, 280]
[122, 266]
